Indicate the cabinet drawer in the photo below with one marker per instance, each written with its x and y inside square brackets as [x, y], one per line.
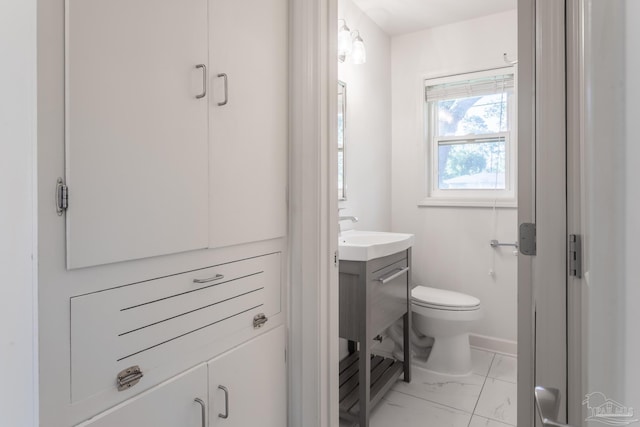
[388, 295]
[153, 323]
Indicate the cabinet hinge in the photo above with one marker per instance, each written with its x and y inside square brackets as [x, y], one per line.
[62, 196]
[575, 255]
[527, 239]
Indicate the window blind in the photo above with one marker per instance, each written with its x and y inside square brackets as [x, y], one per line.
[477, 87]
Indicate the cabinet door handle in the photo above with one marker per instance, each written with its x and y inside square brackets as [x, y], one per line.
[398, 272]
[209, 279]
[226, 89]
[204, 81]
[203, 411]
[226, 402]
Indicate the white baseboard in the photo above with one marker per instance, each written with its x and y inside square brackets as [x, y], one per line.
[496, 345]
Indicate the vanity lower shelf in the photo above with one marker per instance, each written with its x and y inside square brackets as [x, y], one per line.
[384, 373]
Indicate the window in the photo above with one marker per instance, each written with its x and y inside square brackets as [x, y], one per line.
[470, 135]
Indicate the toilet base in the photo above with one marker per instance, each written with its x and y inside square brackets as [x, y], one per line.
[450, 355]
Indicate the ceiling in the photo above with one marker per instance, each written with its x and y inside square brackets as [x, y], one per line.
[405, 16]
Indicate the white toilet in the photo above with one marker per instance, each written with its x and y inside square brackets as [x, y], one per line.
[445, 316]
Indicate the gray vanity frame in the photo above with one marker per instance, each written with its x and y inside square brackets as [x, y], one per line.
[373, 295]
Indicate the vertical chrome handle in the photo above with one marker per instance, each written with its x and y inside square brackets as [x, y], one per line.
[226, 402]
[226, 89]
[203, 411]
[204, 81]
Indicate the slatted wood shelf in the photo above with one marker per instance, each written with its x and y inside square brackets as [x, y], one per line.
[384, 373]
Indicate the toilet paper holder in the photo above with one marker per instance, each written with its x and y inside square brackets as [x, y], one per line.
[494, 244]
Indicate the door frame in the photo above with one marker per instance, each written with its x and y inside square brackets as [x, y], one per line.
[313, 337]
[313, 214]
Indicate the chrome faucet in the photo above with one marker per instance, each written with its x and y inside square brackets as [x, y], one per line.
[348, 218]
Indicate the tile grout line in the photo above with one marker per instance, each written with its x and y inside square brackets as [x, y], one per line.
[432, 401]
[482, 389]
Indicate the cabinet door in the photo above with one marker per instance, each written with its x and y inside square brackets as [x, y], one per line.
[254, 376]
[248, 44]
[136, 133]
[170, 404]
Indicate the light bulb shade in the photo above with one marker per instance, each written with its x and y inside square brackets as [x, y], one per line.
[358, 54]
[345, 44]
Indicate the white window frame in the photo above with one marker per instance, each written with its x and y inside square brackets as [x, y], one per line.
[472, 197]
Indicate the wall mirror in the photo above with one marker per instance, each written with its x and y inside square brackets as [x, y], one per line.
[342, 126]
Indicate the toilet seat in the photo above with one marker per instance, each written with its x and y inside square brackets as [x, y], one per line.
[441, 299]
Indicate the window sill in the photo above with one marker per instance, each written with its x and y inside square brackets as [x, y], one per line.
[468, 203]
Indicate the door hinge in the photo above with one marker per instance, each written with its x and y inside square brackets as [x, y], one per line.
[335, 258]
[62, 196]
[527, 239]
[575, 255]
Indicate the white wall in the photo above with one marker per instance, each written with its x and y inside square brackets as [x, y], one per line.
[452, 244]
[368, 134]
[18, 402]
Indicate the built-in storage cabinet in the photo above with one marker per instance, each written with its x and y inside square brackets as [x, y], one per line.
[248, 109]
[136, 133]
[248, 385]
[175, 147]
[176, 126]
[170, 404]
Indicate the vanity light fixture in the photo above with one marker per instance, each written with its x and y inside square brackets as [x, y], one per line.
[345, 44]
[359, 54]
[350, 44]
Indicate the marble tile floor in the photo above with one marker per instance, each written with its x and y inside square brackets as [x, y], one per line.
[485, 398]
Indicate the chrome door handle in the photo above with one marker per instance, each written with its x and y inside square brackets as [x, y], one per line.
[204, 81]
[398, 272]
[203, 411]
[226, 89]
[548, 404]
[226, 402]
[210, 279]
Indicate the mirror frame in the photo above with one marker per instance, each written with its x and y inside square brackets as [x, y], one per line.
[342, 109]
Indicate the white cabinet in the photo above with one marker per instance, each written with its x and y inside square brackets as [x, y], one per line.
[136, 133]
[170, 404]
[248, 386]
[248, 48]
[153, 165]
[156, 323]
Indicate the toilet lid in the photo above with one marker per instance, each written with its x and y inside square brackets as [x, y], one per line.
[441, 298]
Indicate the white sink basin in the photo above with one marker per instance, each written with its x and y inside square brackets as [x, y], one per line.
[354, 245]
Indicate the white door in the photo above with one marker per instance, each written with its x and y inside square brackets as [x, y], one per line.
[248, 385]
[542, 200]
[136, 131]
[249, 109]
[180, 401]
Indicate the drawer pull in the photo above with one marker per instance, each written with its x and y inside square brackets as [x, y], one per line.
[203, 411]
[209, 279]
[226, 402]
[129, 377]
[398, 272]
[259, 320]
